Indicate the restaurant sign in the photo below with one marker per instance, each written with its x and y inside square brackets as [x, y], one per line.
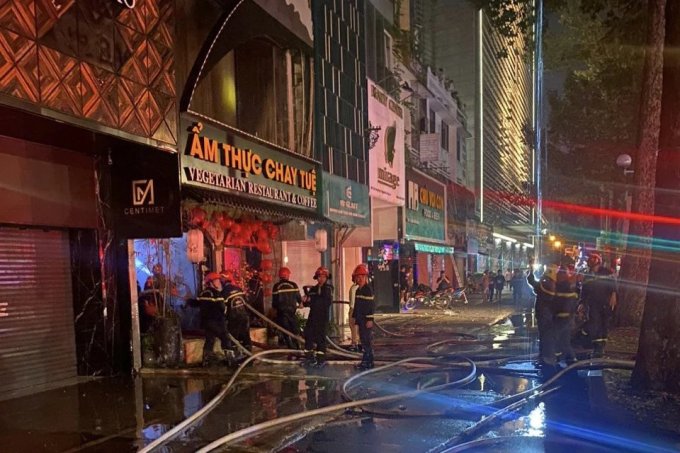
[219, 160]
[425, 208]
[345, 201]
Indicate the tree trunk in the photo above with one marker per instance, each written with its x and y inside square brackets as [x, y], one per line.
[635, 267]
[658, 359]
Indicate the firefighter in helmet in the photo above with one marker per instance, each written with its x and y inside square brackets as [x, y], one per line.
[364, 307]
[211, 305]
[238, 321]
[285, 300]
[545, 292]
[598, 300]
[319, 299]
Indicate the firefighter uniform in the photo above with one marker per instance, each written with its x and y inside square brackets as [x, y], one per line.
[286, 299]
[364, 307]
[237, 315]
[319, 302]
[211, 305]
[564, 303]
[545, 291]
[596, 292]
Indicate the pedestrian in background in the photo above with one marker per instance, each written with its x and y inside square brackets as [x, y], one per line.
[285, 300]
[517, 284]
[363, 315]
[508, 277]
[499, 283]
[487, 286]
[319, 298]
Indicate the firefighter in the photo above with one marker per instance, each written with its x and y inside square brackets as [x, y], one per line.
[564, 305]
[598, 300]
[286, 299]
[238, 321]
[545, 291]
[211, 304]
[364, 307]
[319, 299]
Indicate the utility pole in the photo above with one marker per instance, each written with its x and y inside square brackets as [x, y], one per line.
[538, 126]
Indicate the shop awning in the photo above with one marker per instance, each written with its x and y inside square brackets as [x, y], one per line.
[433, 248]
[272, 211]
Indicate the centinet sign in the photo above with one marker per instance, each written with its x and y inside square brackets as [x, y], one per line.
[127, 3]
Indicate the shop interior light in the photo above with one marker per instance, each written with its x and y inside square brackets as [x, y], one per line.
[527, 245]
[285, 259]
[503, 237]
[557, 244]
[552, 238]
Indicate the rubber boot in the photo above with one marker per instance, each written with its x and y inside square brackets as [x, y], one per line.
[309, 359]
[598, 350]
[319, 360]
[229, 358]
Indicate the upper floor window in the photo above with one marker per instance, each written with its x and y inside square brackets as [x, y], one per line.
[445, 135]
[388, 51]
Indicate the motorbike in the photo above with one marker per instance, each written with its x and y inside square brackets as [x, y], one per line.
[424, 297]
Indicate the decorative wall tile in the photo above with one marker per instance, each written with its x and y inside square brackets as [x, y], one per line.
[19, 16]
[18, 62]
[94, 59]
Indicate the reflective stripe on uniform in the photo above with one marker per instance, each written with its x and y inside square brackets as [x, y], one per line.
[563, 315]
[211, 299]
[291, 290]
[359, 296]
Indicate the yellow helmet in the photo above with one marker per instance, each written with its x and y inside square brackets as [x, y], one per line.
[551, 272]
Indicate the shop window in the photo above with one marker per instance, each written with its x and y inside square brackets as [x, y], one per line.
[302, 259]
[444, 135]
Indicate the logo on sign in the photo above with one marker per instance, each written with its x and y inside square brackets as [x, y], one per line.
[142, 192]
[348, 192]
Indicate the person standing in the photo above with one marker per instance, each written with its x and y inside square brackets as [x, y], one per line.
[545, 291]
[508, 278]
[286, 300]
[211, 305]
[598, 300]
[516, 284]
[404, 285]
[486, 286]
[319, 299]
[238, 321]
[443, 282]
[353, 328]
[363, 315]
[499, 283]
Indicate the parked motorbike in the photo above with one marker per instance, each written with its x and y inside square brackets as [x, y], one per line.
[424, 297]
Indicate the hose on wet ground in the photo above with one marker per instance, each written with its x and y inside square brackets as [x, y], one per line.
[202, 412]
[514, 402]
[399, 335]
[270, 424]
[335, 350]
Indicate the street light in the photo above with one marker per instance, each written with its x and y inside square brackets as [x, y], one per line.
[552, 238]
[624, 161]
[557, 244]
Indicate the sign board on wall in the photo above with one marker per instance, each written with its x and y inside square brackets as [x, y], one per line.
[226, 162]
[345, 201]
[425, 208]
[386, 162]
[145, 192]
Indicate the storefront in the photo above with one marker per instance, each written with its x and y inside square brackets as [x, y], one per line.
[71, 101]
[347, 204]
[426, 250]
[387, 191]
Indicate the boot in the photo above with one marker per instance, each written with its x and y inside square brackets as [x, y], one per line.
[208, 360]
[229, 358]
[598, 350]
[309, 360]
[319, 360]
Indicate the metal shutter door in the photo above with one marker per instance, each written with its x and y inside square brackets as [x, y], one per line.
[37, 344]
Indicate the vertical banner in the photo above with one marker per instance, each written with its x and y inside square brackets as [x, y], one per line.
[386, 161]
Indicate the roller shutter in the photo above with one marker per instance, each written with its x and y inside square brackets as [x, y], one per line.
[37, 344]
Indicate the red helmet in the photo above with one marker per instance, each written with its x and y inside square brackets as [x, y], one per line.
[361, 269]
[227, 276]
[594, 259]
[284, 272]
[210, 276]
[321, 271]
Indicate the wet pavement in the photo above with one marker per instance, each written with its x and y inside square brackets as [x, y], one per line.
[123, 414]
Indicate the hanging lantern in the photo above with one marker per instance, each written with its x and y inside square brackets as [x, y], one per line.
[267, 265]
[198, 216]
[215, 233]
[195, 246]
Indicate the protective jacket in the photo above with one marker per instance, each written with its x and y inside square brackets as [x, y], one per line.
[286, 296]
